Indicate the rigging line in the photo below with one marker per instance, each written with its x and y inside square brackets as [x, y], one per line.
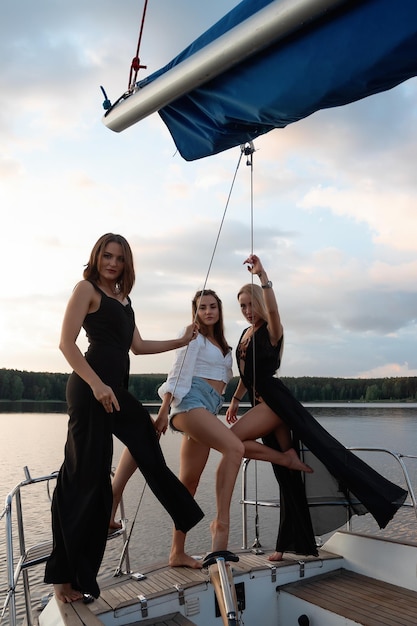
[223, 218]
[133, 73]
[249, 150]
[122, 557]
[136, 65]
[211, 261]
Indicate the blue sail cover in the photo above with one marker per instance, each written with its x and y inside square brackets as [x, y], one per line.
[361, 48]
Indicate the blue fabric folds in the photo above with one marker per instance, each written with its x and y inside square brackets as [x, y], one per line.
[359, 49]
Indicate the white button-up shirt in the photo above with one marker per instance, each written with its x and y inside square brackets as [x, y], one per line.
[200, 358]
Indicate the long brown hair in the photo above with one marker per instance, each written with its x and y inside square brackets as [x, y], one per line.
[218, 329]
[127, 278]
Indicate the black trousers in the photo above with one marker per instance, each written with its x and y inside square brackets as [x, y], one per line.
[82, 500]
[342, 474]
[295, 531]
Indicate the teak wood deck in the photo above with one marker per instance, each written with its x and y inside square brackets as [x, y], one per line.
[364, 600]
[361, 599]
[118, 594]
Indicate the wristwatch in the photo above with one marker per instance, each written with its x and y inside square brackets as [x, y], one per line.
[267, 285]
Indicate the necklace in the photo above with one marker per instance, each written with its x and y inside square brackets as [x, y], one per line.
[116, 289]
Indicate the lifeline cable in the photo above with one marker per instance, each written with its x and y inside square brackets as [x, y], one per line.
[118, 570]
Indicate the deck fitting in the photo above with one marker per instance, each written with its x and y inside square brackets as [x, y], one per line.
[181, 598]
[143, 605]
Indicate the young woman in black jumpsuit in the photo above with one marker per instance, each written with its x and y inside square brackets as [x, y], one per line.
[99, 405]
[339, 475]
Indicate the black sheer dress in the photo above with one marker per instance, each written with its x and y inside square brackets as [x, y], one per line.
[341, 479]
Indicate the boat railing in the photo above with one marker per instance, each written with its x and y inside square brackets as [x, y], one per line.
[247, 502]
[19, 558]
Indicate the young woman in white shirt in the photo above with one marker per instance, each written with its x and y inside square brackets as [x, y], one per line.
[192, 397]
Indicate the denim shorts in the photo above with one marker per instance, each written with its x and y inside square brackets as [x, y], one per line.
[201, 395]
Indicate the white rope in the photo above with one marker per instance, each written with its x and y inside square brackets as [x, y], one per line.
[211, 262]
[249, 151]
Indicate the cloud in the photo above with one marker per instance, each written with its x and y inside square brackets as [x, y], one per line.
[390, 215]
[332, 205]
[390, 370]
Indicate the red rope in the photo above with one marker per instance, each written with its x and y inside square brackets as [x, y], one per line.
[136, 65]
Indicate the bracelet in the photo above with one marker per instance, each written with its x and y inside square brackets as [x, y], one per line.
[238, 399]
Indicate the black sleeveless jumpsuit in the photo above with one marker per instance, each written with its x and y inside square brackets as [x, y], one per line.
[340, 478]
[82, 500]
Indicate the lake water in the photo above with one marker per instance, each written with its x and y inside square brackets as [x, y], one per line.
[37, 440]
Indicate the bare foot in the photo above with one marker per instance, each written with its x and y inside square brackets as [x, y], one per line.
[276, 556]
[114, 525]
[219, 535]
[65, 593]
[183, 560]
[295, 463]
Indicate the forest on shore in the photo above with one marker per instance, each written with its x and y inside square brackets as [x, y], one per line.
[16, 385]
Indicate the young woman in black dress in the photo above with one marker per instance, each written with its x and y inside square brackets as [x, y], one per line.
[339, 475]
[99, 405]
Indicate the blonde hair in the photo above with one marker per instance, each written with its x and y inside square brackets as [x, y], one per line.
[255, 294]
[258, 306]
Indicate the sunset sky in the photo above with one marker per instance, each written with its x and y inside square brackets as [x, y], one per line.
[335, 199]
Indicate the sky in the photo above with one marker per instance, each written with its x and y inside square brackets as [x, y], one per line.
[332, 214]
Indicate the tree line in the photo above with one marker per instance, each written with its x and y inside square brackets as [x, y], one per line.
[46, 386]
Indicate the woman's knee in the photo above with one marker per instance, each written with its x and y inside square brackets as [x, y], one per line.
[235, 450]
